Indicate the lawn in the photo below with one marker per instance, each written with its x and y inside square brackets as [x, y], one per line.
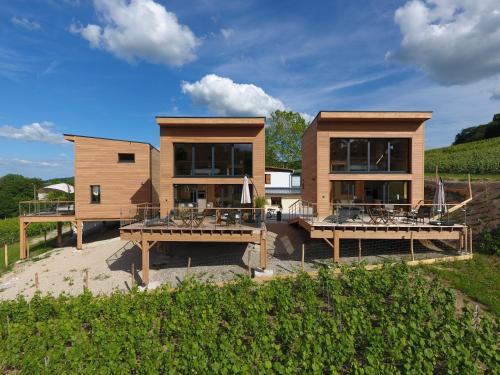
[479, 279]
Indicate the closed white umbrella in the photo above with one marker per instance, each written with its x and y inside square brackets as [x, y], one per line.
[245, 193]
[439, 202]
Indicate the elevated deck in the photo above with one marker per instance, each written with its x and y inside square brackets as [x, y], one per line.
[147, 229]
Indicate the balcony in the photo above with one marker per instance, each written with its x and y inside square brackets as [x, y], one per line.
[42, 208]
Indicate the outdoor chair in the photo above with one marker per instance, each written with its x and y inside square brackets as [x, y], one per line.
[344, 214]
[375, 215]
[424, 212]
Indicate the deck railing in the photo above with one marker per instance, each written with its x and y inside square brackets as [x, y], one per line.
[46, 208]
[195, 218]
[379, 213]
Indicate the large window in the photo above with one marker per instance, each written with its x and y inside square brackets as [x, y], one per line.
[373, 155]
[388, 192]
[207, 159]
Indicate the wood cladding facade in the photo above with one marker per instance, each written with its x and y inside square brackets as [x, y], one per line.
[212, 132]
[316, 184]
[122, 184]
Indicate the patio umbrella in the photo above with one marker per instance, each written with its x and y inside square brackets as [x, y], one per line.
[439, 202]
[245, 193]
[63, 187]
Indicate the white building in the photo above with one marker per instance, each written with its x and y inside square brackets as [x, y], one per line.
[282, 188]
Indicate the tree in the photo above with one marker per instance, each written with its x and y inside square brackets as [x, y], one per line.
[284, 139]
[15, 188]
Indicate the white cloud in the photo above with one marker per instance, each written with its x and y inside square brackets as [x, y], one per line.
[32, 163]
[227, 98]
[227, 33]
[495, 94]
[41, 132]
[25, 23]
[307, 117]
[454, 41]
[140, 29]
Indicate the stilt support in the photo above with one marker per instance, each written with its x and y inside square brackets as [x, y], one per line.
[336, 247]
[79, 235]
[145, 261]
[23, 253]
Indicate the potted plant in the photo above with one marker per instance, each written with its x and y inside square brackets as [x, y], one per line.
[260, 203]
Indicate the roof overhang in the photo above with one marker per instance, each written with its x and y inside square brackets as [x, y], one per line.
[211, 121]
[417, 116]
[278, 169]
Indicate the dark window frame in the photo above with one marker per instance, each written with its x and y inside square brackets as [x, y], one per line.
[389, 141]
[212, 173]
[92, 195]
[125, 160]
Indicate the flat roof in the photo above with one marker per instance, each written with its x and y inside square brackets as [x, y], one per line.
[374, 115]
[278, 169]
[71, 138]
[210, 121]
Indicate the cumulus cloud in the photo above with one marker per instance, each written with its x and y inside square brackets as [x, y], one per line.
[225, 97]
[25, 23]
[41, 132]
[495, 94]
[454, 41]
[227, 33]
[24, 162]
[140, 29]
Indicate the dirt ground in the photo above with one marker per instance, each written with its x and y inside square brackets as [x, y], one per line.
[109, 261]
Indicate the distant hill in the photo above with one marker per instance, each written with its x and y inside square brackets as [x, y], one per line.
[479, 157]
[476, 133]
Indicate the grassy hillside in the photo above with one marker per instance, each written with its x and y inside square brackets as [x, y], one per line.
[480, 157]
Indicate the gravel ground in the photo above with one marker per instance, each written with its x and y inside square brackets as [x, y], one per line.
[109, 261]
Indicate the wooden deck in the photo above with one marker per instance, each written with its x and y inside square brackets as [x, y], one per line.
[332, 233]
[148, 236]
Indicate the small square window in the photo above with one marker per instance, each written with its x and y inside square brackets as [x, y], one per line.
[268, 178]
[95, 194]
[276, 201]
[126, 158]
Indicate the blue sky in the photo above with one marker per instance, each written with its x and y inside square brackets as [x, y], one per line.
[107, 67]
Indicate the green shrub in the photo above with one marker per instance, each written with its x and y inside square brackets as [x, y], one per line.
[490, 242]
[9, 229]
[380, 322]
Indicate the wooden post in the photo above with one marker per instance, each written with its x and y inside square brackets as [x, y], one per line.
[86, 280]
[466, 240]
[189, 266]
[132, 282]
[303, 256]
[79, 234]
[22, 244]
[336, 247]
[145, 262]
[37, 284]
[359, 250]
[59, 233]
[470, 238]
[6, 255]
[263, 249]
[411, 247]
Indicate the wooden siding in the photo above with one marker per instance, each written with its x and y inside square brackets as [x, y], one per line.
[155, 176]
[122, 184]
[367, 129]
[203, 134]
[309, 164]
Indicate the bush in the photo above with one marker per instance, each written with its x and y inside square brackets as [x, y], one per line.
[385, 321]
[490, 242]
